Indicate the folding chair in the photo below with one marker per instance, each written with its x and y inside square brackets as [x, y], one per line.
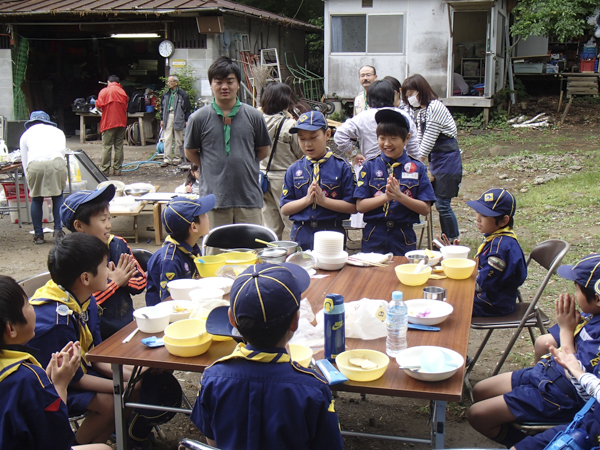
[547, 254]
[238, 235]
[143, 256]
[32, 284]
[191, 444]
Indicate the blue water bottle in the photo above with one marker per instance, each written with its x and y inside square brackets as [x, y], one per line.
[335, 329]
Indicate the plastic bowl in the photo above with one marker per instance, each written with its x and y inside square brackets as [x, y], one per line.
[239, 257]
[178, 309]
[180, 289]
[406, 274]
[301, 354]
[156, 321]
[186, 332]
[432, 261]
[458, 269]
[356, 373]
[436, 311]
[207, 294]
[326, 262]
[208, 265]
[455, 251]
[412, 357]
[216, 283]
[187, 351]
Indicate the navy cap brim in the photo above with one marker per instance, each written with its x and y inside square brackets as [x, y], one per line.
[217, 323]
[482, 209]
[391, 115]
[566, 272]
[307, 127]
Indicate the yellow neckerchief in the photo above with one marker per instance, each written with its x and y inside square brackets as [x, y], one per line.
[10, 360]
[506, 231]
[252, 355]
[317, 168]
[110, 238]
[170, 240]
[52, 292]
[390, 170]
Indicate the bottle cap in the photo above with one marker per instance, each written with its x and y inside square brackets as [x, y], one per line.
[333, 299]
[397, 295]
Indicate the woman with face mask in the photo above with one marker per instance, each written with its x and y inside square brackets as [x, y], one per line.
[437, 145]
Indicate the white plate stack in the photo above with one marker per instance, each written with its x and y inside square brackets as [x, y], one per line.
[329, 250]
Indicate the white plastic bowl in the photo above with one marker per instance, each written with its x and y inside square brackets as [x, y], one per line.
[216, 283]
[172, 306]
[180, 289]
[325, 262]
[206, 294]
[438, 311]
[432, 261]
[412, 357]
[455, 251]
[157, 321]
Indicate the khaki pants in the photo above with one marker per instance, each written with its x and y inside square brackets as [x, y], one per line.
[110, 137]
[226, 216]
[170, 132]
[272, 216]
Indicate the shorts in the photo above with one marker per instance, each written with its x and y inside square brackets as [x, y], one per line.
[78, 400]
[542, 394]
[554, 330]
[539, 441]
[378, 238]
[46, 178]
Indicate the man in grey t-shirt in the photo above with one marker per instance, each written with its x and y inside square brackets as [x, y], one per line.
[228, 139]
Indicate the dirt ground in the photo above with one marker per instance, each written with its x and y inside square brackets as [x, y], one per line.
[375, 414]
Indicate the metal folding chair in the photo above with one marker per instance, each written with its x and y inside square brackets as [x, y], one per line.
[191, 444]
[32, 284]
[143, 256]
[547, 254]
[238, 235]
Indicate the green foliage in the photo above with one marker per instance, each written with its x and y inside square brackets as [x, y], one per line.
[316, 44]
[186, 82]
[563, 19]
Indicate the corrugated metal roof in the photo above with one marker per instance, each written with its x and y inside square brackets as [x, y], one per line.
[160, 7]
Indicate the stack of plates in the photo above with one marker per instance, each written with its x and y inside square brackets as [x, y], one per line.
[329, 250]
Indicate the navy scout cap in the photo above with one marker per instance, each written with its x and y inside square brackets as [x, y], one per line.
[76, 199]
[494, 203]
[180, 212]
[586, 272]
[392, 115]
[311, 121]
[264, 292]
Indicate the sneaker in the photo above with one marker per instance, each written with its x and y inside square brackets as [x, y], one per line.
[176, 162]
[164, 164]
[58, 235]
[38, 239]
[117, 173]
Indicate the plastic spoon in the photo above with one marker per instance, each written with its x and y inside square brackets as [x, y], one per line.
[260, 241]
[438, 243]
[420, 266]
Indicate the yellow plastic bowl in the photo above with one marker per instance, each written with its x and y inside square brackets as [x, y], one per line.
[211, 264]
[186, 332]
[458, 269]
[406, 274]
[187, 351]
[239, 257]
[356, 373]
[301, 354]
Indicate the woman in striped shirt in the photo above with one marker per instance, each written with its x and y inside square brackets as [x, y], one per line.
[438, 145]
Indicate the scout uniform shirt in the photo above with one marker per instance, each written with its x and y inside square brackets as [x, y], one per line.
[32, 415]
[115, 303]
[501, 270]
[392, 218]
[174, 261]
[278, 403]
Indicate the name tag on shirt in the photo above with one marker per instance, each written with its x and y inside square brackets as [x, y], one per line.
[414, 175]
[584, 335]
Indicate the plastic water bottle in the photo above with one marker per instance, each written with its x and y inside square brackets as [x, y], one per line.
[335, 329]
[397, 323]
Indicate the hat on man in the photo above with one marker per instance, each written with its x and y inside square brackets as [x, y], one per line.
[180, 212]
[38, 117]
[586, 272]
[392, 115]
[494, 203]
[75, 200]
[311, 121]
[267, 293]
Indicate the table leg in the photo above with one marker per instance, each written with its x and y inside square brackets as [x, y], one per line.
[142, 134]
[135, 229]
[120, 426]
[157, 223]
[18, 198]
[564, 116]
[82, 129]
[438, 424]
[560, 101]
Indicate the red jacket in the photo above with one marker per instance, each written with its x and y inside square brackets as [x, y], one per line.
[113, 102]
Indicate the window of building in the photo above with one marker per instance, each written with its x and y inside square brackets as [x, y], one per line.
[367, 33]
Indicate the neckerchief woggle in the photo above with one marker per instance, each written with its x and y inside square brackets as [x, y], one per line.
[317, 168]
[390, 170]
[227, 121]
[53, 292]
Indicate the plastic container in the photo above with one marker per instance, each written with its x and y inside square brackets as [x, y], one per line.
[396, 322]
[355, 373]
[407, 276]
[208, 265]
[458, 269]
[46, 209]
[455, 251]
[10, 190]
[75, 171]
[151, 320]
[335, 329]
[180, 289]
[186, 332]
[587, 66]
[3, 152]
[76, 186]
[301, 354]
